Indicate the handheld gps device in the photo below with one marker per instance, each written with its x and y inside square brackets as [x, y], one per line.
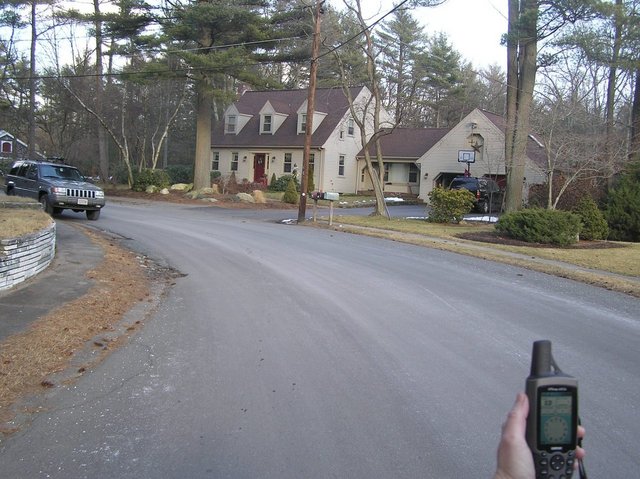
[553, 415]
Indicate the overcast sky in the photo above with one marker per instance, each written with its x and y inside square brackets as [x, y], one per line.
[474, 27]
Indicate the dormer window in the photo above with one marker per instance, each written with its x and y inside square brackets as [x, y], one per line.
[231, 124]
[7, 147]
[350, 127]
[267, 123]
[303, 123]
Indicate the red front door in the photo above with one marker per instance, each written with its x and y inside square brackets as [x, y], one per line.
[258, 168]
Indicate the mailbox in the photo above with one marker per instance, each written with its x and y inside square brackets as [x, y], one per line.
[331, 196]
[317, 195]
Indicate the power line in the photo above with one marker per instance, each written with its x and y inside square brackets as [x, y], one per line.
[215, 47]
[349, 40]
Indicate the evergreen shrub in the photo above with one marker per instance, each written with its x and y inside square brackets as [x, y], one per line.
[449, 206]
[538, 225]
[282, 183]
[594, 225]
[291, 193]
[232, 184]
[180, 173]
[120, 175]
[623, 207]
[149, 177]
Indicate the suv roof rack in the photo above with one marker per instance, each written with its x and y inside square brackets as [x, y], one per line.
[53, 159]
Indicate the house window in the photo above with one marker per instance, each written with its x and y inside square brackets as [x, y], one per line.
[234, 161]
[312, 159]
[341, 134]
[413, 173]
[266, 123]
[350, 127]
[231, 124]
[287, 162]
[387, 168]
[303, 123]
[215, 161]
[341, 165]
[6, 147]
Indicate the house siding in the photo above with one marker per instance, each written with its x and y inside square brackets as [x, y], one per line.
[443, 157]
[327, 144]
[334, 148]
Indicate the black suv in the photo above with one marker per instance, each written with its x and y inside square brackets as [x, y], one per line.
[56, 185]
[486, 191]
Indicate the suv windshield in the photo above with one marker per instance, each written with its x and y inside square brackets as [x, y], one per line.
[464, 183]
[64, 172]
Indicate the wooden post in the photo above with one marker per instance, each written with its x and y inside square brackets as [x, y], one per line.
[330, 213]
[311, 100]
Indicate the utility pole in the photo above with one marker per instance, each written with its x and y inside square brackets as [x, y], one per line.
[311, 104]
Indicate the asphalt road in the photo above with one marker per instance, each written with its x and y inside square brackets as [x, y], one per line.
[296, 352]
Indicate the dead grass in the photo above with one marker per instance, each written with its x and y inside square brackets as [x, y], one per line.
[619, 260]
[28, 359]
[623, 259]
[16, 222]
[414, 226]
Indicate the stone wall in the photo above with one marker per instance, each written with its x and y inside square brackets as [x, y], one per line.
[24, 257]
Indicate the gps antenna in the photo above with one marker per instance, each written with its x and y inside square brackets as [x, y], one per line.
[541, 359]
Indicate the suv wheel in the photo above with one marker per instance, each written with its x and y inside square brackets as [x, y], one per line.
[93, 214]
[46, 204]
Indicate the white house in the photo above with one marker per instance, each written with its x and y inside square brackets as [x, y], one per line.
[263, 134]
[475, 146]
[416, 160]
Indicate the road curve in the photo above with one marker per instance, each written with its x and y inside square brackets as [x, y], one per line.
[297, 352]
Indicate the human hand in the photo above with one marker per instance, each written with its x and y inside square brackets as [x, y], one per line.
[515, 460]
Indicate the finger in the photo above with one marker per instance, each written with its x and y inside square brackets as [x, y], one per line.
[516, 422]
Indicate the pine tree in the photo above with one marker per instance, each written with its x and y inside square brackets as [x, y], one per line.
[623, 207]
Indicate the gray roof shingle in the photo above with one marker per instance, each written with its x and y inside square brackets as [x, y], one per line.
[409, 142]
[331, 101]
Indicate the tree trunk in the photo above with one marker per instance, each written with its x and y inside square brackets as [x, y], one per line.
[634, 150]
[521, 76]
[612, 80]
[202, 175]
[103, 153]
[33, 85]
[512, 86]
